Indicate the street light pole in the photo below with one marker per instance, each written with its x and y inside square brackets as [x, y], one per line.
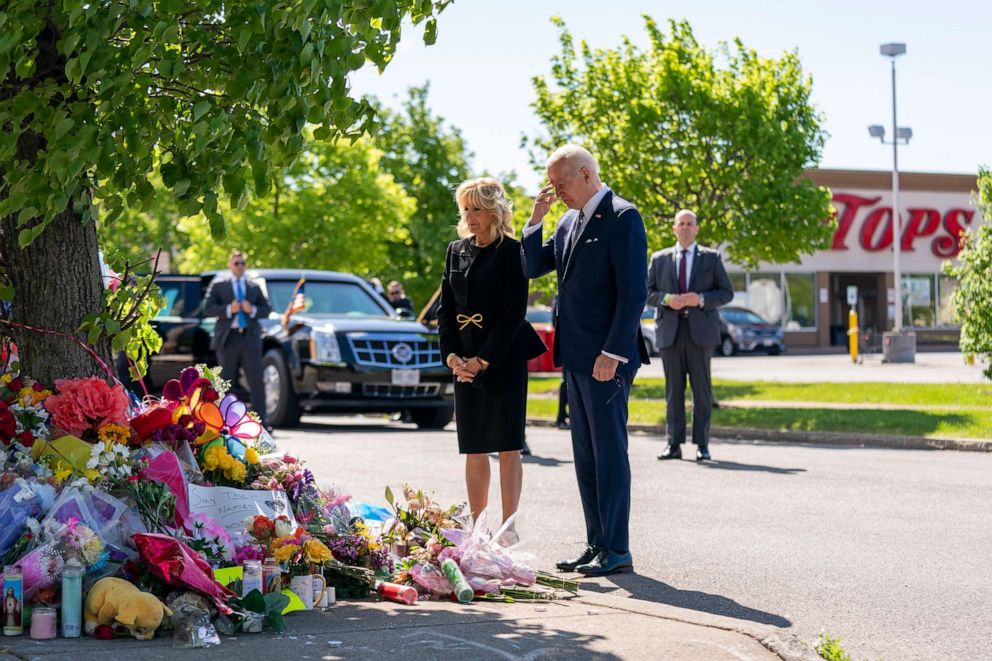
[898, 346]
[896, 223]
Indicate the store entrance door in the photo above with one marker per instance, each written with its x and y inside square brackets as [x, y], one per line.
[871, 304]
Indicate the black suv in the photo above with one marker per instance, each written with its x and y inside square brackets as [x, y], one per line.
[743, 330]
[344, 349]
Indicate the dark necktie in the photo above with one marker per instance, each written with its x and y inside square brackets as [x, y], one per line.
[683, 281]
[573, 237]
[240, 295]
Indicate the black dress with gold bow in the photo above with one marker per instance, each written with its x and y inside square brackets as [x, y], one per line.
[482, 313]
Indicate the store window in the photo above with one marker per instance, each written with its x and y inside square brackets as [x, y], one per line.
[918, 300]
[800, 302]
[945, 311]
[764, 295]
[739, 282]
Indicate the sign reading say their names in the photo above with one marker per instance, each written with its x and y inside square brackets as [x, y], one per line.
[230, 507]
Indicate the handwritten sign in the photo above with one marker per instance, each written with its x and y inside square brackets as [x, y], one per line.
[230, 507]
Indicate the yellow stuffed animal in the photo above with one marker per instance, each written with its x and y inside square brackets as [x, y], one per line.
[113, 600]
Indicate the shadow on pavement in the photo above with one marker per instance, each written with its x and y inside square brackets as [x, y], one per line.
[734, 466]
[649, 589]
[544, 461]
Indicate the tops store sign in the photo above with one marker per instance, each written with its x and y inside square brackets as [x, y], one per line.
[863, 219]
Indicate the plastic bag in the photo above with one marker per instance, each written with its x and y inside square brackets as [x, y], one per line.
[21, 500]
[104, 514]
[484, 561]
[194, 630]
[431, 579]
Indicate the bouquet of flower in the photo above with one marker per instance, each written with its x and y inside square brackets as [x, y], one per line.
[43, 566]
[286, 474]
[419, 520]
[359, 546]
[300, 552]
[84, 407]
[209, 539]
[122, 477]
[23, 416]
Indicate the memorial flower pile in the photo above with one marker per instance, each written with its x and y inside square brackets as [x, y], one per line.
[133, 489]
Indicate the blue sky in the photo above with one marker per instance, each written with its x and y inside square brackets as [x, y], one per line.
[487, 51]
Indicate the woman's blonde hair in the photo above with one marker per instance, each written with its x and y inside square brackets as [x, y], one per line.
[485, 193]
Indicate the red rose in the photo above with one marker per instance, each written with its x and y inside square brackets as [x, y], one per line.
[16, 385]
[210, 395]
[26, 438]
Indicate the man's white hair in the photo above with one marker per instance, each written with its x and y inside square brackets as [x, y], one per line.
[686, 212]
[574, 156]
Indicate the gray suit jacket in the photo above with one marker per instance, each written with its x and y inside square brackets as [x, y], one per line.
[216, 303]
[708, 278]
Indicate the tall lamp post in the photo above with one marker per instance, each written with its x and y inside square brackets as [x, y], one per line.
[898, 346]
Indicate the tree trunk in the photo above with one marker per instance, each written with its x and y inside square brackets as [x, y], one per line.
[56, 283]
[56, 279]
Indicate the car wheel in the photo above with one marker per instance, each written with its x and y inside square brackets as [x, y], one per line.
[727, 347]
[282, 409]
[432, 418]
[774, 351]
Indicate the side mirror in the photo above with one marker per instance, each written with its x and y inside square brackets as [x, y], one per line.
[405, 313]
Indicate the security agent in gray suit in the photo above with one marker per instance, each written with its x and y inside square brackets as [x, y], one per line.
[687, 283]
[238, 302]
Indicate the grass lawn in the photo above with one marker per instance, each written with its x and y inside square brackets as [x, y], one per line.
[941, 410]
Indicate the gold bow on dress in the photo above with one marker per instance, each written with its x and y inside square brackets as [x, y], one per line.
[464, 320]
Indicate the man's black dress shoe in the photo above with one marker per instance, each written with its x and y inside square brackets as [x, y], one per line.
[607, 563]
[587, 556]
[702, 454]
[671, 452]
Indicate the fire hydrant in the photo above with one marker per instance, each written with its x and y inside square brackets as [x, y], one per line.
[852, 334]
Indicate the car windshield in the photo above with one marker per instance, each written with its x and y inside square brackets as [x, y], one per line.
[538, 316]
[742, 317]
[325, 298]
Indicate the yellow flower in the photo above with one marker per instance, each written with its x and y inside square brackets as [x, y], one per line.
[31, 397]
[236, 472]
[7, 377]
[284, 552]
[62, 475]
[316, 552]
[111, 433]
[211, 458]
[251, 456]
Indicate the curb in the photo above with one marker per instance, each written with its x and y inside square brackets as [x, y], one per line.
[820, 438]
[787, 646]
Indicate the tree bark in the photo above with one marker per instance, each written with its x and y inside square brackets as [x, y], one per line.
[56, 283]
[56, 278]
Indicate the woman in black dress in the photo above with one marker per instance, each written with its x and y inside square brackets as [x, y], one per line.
[486, 340]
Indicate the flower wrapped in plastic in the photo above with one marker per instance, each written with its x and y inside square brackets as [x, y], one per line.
[177, 564]
[485, 562]
[19, 502]
[42, 567]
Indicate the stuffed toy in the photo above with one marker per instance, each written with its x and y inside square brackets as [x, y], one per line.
[115, 601]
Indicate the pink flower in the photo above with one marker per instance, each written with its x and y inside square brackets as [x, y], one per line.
[89, 403]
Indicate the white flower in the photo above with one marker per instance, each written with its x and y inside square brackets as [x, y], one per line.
[33, 525]
[284, 527]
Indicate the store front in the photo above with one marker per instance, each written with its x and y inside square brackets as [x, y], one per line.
[810, 299]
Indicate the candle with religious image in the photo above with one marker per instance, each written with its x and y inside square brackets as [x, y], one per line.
[13, 601]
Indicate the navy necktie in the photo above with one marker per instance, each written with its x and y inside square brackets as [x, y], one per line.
[683, 281]
[240, 295]
[573, 237]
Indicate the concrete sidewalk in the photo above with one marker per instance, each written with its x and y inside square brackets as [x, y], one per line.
[588, 626]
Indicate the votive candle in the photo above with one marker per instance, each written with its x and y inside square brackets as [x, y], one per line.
[43, 623]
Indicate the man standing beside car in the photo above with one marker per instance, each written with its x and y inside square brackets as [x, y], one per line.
[687, 283]
[238, 302]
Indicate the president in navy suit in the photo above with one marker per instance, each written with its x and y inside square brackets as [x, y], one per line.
[599, 251]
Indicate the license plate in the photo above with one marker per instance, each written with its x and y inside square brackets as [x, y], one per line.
[769, 343]
[406, 377]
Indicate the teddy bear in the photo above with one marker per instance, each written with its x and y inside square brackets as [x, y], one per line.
[114, 600]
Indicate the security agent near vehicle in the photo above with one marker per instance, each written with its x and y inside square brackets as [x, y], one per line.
[331, 344]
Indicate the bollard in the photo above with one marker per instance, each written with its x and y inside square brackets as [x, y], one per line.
[852, 334]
